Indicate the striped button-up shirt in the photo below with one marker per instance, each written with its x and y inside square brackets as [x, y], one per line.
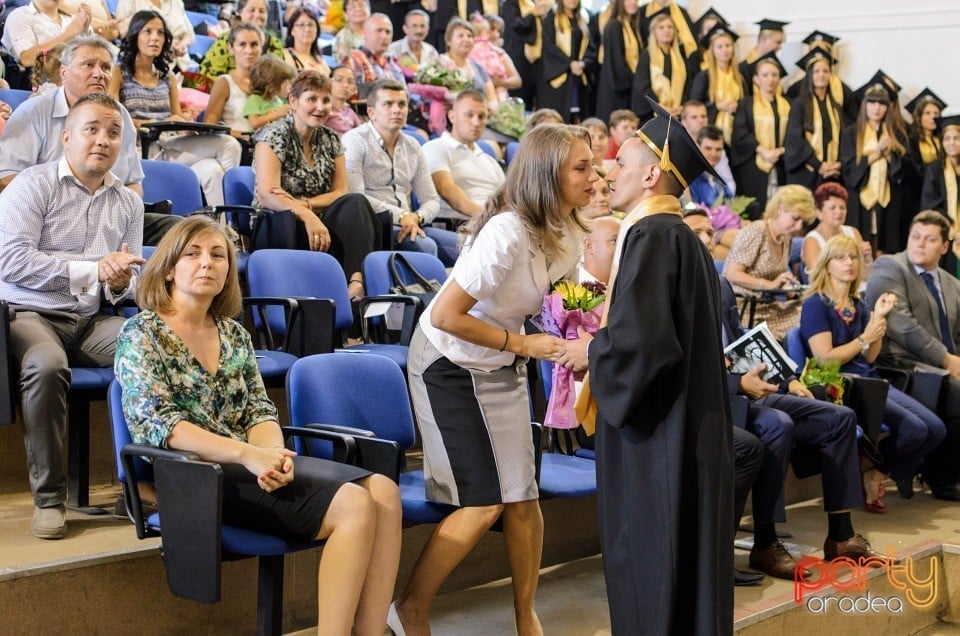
[52, 233]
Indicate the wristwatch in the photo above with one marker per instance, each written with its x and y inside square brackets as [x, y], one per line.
[863, 344]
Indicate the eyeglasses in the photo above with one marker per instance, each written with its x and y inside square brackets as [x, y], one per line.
[304, 25]
[846, 257]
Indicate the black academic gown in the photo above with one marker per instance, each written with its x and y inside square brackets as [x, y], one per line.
[616, 78]
[554, 64]
[592, 60]
[890, 237]
[518, 31]
[642, 85]
[799, 158]
[645, 28]
[751, 180]
[700, 89]
[851, 105]
[664, 450]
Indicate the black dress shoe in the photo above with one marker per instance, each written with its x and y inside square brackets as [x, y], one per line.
[905, 487]
[947, 492]
[741, 578]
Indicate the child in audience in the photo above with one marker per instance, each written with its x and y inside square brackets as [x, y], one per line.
[342, 117]
[46, 72]
[270, 80]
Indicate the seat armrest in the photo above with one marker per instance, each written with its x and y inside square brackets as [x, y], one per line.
[131, 492]
[413, 306]
[7, 399]
[256, 306]
[312, 329]
[370, 452]
[344, 445]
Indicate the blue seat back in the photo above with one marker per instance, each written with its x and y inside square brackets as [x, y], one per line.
[376, 270]
[201, 44]
[293, 273]
[239, 184]
[486, 147]
[13, 96]
[121, 437]
[348, 389]
[173, 181]
[718, 264]
[795, 348]
[511, 151]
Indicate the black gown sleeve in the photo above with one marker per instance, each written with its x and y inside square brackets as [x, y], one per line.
[743, 142]
[641, 87]
[614, 55]
[555, 62]
[854, 172]
[933, 192]
[798, 152]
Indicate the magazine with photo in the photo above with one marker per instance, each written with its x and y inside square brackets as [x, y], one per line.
[758, 346]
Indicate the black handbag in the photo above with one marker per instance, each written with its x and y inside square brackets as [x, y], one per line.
[421, 288]
[260, 228]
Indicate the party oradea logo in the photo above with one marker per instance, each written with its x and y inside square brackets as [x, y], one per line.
[848, 576]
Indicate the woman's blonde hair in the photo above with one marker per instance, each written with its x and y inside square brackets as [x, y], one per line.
[532, 189]
[153, 288]
[839, 245]
[792, 198]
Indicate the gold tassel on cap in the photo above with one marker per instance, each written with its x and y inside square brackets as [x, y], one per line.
[665, 164]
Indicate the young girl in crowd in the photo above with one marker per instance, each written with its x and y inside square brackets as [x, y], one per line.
[229, 94]
[344, 88]
[269, 84]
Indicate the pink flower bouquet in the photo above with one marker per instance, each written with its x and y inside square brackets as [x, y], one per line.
[567, 307]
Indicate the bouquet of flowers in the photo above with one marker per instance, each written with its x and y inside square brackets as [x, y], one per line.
[568, 306]
[817, 373]
[197, 81]
[509, 118]
[454, 80]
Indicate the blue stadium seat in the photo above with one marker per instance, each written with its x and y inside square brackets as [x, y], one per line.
[174, 182]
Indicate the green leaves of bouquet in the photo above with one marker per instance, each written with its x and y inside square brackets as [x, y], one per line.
[585, 296]
[826, 374]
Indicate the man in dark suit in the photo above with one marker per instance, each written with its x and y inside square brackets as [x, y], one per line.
[924, 329]
[818, 436]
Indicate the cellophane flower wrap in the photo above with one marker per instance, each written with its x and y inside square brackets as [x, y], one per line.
[569, 306]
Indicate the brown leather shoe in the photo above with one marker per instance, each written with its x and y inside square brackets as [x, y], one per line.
[775, 561]
[856, 547]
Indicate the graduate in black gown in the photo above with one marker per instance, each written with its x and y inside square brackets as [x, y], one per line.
[719, 85]
[664, 449]
[523, 42]
[594, 56]
[923, 147]
[769, 40]
[941, 183]
[759, 134]
[681, 19]
[621, 55]
[662, 71]
[842, 94]
[446, 9]
[872, 153]
[813, 130]
[710, 18]
[562, 82]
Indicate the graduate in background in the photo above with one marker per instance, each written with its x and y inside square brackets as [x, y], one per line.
[621, 50]
[701, 27]
[941, 186]
[562, 83]
[719, 85]
[872, 154]
[770, 40]
[842, 94]
[759, 135]
[814, 126]
[681, 20]
[662, 70]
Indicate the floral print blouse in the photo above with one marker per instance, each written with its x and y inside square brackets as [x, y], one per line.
[298, 176]
[164, 383]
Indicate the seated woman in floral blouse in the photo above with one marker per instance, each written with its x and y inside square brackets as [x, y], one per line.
[190, 382]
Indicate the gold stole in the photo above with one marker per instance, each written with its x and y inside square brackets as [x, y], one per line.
[631, 46]
[726, 88]
[669, 91]
[950, 189]
[877, 189]
[491, 7]
[531, 51]
[586, 406]
[763, 125]
[462, 9]
[564, 42]
[929, 149]
[836, 89]
[815, 138]
[752, 56]
[680, 25]
[602, 20]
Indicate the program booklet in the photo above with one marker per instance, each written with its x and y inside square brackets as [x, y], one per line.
[758, 346]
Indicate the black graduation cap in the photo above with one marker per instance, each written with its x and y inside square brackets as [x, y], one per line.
[671, 142]
[709, 13]
[772, 57]
[664, 11]
[771, 25]
[814, 54]
[819, 38]
[949, 120]
[926, 94]
[884, 81]
[717, 29]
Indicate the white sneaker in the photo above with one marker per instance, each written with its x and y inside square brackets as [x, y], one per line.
[49, 523]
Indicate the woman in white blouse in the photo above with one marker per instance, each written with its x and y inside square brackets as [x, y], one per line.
[467, 369]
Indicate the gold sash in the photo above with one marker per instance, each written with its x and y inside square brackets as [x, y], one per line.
[668, 90]
[680, 25]
[602, 20]
[763, 125]
[815, 138]
[950, 190]
[491, 7]
[462, 9]
[877, 189]
[532, 51]
[929, 149]
[631, 46]
[724, 86]
[564, 42]
[836, 90]
[752, 56]
[586, 407]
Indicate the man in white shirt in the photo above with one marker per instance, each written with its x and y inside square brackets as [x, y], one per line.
[41, 25]
[465, 176]
[70, 239]
[411, 52]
